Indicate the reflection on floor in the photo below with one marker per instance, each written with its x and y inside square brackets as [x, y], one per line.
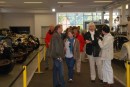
[119, 71]
[82, 80]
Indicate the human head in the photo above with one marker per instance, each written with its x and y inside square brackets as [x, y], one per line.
[51, 28]
[70, 33]
[105, 29]
[76, 30]
[58, 28]
[91, 26]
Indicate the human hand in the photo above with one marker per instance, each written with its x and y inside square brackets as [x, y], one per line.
[88, 41]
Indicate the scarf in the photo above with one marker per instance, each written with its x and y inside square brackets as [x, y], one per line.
[71, 44]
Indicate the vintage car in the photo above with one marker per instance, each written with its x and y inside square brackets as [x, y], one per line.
[15, 48]
[6, 59]
[23, 44]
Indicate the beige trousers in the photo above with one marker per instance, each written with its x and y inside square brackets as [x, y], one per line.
[78, 64]
[98, 62]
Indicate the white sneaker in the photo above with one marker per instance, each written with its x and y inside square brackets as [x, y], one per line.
[70, 80]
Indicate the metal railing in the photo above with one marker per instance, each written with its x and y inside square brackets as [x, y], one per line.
[128, 74]
[24, 70]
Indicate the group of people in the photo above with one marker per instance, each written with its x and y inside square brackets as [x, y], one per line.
[70, 47]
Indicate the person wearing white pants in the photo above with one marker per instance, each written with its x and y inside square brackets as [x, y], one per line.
[92, 51]
[107, 55]
[92, 61]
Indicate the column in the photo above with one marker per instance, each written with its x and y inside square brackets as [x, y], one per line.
[123, 14]
[111, 18]
[129, 9]
[102, 21]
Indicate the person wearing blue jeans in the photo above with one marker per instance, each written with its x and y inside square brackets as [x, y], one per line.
[57, 53]
[58, 72]
[72, 53]
[70, 64]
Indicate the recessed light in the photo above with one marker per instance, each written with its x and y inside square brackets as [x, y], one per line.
[53, 9]
[33, 2]
[66, 2]
[102, 1]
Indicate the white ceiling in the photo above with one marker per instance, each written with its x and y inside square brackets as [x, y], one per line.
[80, 5]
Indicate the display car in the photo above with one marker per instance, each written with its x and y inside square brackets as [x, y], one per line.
[6, 52]
[15, 48]
[121, 45]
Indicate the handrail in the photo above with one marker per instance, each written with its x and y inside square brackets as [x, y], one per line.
[31, 60]
[128, 73]
[33, 57]
[16, 78]
[24, 70]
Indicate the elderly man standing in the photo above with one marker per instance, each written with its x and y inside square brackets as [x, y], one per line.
[57, 53]
[107, 55]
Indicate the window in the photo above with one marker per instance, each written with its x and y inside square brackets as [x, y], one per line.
[77, 18]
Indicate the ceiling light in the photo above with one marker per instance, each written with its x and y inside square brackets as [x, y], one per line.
[127, 6]
[66, 2]
[102, 1]
[33, 2]
[53, 10]
[2, 2]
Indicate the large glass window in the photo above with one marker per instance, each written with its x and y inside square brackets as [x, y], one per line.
[77, 18]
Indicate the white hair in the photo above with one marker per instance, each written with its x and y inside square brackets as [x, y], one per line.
[91, 23]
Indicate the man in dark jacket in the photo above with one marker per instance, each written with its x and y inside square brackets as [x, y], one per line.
[57, 53]
[92, 50]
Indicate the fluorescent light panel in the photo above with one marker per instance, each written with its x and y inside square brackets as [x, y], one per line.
[102, 1]
[66, 2]
[33, 2]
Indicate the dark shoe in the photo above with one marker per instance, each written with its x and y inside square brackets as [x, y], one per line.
[110, 85]
[101, 82]
[93, 81]
[58, 85]
[46, 68]
[104, 84]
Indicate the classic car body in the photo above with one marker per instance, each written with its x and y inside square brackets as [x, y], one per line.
[15, 48]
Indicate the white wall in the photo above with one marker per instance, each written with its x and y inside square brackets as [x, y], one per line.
[35, 21]
[43, 20]
[17, 19]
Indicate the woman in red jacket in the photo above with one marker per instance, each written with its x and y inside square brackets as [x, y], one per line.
[82, 43]
[47, 41]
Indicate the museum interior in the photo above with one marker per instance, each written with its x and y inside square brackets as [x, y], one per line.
[24, 25]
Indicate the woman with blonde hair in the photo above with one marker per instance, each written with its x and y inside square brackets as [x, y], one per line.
[92, 51]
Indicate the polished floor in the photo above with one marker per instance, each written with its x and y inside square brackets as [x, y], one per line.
[82, 80]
